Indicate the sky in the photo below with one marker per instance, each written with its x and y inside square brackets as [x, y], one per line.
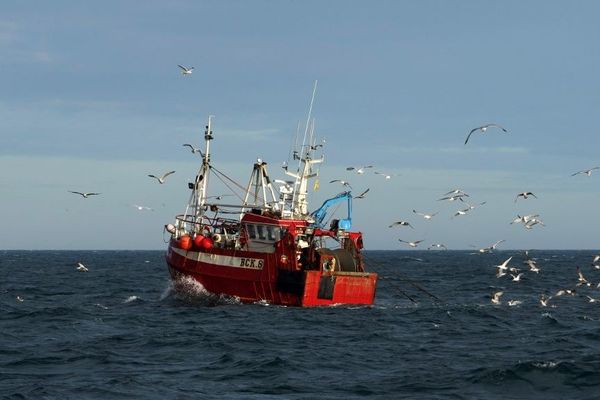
[92, 100]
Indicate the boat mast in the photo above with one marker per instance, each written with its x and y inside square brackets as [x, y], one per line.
[305, 162]
[208, 136]
[198, 197]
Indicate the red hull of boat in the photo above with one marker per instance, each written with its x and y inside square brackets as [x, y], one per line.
[255, 276]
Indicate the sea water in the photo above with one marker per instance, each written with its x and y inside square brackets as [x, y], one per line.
[120, 331]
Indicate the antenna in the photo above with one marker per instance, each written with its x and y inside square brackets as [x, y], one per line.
[306, 128]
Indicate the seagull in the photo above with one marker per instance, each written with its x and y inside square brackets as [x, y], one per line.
[457, 192]
[142, 208]
[345, 183]
[496, 297]
[514, 302]
[85, 195]
[471, 207]
[532, 222]
[489, 249]
[588, 172]
[514, 270]
[525, 218]
[186, 70]
[359, 170]
[561, 292]
[581, 279]
[461, 212]
[532, 266]
[438, 246]
[596, 258]
[220, 197]
[426, 216]
[503, 266]
[411, 244]
[483, 129]
[20, 299]
[81, 267]
[386, 176]
[517, 278]
[362, 195]
[401, 223]
[591, 299]
[544, 300]
[161, 179]
[525, 195]
[453, 197]
[194, 149]
[316, 146]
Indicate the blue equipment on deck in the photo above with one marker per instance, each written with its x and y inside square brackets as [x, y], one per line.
[320, 213]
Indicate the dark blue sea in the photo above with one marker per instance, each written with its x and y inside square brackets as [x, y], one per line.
[120, 331]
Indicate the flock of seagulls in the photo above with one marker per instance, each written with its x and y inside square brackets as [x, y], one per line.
[528, 221]
[457, 196]
[533, 269]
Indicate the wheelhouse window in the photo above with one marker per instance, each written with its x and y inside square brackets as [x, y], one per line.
[251, 231]
[266, 233]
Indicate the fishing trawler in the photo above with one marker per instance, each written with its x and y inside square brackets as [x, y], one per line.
[270, 248]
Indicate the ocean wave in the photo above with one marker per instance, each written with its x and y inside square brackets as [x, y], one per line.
[191, 291]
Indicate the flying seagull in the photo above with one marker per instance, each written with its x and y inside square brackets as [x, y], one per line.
[524, 195]
[385, 175]
[532, 266]
[161, 179]
[359, 170]
[85, 195]
[456, 191]
[142, 208]
[588, 172]
[544, 300]
[483, 128]
[194, 149]
[186, 70]
[345, 183]
[516, 278]
[219, 197]
[81, 267]
[489, 249]
[411, 244]
[437, 246]
[504, 266]
[362, 195]
[454, 197]
[461, 212]
[561, 292]
[496, 297]
[591, 299]
[426, 216]
[401, 223]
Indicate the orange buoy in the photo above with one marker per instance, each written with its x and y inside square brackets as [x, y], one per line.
[185, 242]
[198, 241]
[207, 243]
